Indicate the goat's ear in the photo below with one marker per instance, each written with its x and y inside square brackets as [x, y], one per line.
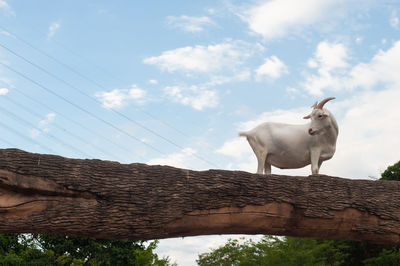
[307, 117]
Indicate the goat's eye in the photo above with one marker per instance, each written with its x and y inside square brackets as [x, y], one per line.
[320, 116]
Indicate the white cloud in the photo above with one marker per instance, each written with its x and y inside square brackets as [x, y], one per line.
[394, 20]
[35, 132]
[118, 98]
[194, 96]
[181, 159]
[189, 24]
[273, 67]
[214, 64]
[6, 33]
[239, 76]
[153, 81]
[334, 73]
[235, 147]
[292, 92]
[294, 116]
[54, 26]
[202, 59]
[3, 91]
[278, 18]
[315, 84]
[6, 8]
[329, 56]
[47, 120]
[211, 11]
[329, 59]
[384, 67]
[43, 125]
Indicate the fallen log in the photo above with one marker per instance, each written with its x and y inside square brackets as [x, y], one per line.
[103, 199]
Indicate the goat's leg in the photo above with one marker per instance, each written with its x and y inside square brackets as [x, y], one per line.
[315, 162]
[261, 157]
[260, 153]
[267, 168]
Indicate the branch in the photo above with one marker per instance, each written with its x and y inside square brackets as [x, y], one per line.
[102, 199]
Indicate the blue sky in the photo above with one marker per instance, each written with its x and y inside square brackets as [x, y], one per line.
[173, 82]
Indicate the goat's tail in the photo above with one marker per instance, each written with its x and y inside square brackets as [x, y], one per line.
[243, 134]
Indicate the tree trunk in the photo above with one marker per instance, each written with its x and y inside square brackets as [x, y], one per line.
[103, 199]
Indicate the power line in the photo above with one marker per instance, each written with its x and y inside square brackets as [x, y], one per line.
[89, 96]
[95, 133]
[7, 142]
[59, 127]
[26, 138]
[23, 121]
[84, 76]
[81, 108]
[98, 102]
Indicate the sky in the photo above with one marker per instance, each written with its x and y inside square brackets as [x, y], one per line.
[173, 82]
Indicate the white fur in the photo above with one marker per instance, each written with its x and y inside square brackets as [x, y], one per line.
[294, 146]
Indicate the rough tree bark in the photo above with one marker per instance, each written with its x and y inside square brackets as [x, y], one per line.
[103, 199]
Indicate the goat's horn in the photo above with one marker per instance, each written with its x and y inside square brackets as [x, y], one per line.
[314, 105]
[323, 102]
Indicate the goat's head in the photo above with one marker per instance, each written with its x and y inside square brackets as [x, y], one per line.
[319, 118]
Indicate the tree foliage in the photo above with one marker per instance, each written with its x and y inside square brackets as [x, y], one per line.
[44, 249]
[272, 250]
[302, 251]
[392, 172]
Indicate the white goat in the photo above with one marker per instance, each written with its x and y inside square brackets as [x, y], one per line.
[294, 146]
